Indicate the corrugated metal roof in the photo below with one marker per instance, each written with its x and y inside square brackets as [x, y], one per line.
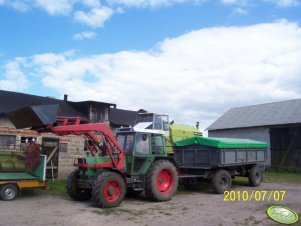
[122, 117]
[11, 101]
[277, 113]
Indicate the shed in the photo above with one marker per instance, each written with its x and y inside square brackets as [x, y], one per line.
[278, 124]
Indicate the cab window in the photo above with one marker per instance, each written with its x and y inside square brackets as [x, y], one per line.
[157, 144]
[158, 122]
[126, 141]
[142, 145]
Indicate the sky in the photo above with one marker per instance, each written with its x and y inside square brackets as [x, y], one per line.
[191, 59]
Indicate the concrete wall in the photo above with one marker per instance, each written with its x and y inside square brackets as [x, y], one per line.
[75, 149]
[4, 122]
[259, 134]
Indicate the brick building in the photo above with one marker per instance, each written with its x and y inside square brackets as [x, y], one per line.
[61, 151]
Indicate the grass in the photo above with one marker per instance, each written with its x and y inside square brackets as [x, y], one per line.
[57, 187]
[273, 176]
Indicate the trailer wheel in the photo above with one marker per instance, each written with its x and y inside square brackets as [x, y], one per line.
[109, 190]
[255, 176]
[221, 181]
[74, 191]
[161, 181]
[8, 192]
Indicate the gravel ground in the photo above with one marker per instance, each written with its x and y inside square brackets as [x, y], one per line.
[186, 208]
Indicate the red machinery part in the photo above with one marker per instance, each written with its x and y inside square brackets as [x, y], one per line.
[32, 156]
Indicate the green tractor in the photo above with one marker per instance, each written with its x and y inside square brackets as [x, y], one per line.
[133, 162]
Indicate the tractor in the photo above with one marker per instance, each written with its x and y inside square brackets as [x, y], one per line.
[133, 162]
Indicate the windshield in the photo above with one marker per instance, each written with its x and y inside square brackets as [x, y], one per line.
[145, 118]
[126, 141]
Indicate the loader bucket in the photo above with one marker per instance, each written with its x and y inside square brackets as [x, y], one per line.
[33, 116]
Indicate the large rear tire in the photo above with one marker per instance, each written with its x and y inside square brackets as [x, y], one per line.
[8, 192]
[109, 190]
[255, 176]
[221, 181]
[74, 191]
[161, 181]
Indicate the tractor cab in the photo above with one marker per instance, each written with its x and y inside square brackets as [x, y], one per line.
[141, 146]
[156, 121]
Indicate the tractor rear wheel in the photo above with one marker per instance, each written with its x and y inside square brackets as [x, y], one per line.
[109, 190]
[255, 176]
[76, 193]
[161, 181]
[8, 192]
[221, 181]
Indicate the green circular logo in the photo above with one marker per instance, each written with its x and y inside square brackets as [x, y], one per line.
[282, 214]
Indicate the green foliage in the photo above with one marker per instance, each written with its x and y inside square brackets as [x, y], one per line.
[57, 187]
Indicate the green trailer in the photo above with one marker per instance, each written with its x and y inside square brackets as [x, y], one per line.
[219, 160]
[15, 175]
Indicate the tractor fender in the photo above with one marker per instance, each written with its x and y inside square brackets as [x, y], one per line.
[166, 158]
[99, 172]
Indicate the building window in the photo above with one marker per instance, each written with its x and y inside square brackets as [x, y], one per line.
[7, 142]
[25, 142]
[63, 147]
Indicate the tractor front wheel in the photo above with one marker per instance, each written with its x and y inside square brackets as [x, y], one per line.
[161, 181]
[109, 190]
[8, 192]
[74, 191]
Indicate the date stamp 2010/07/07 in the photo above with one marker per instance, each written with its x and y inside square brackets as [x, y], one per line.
[255, 195]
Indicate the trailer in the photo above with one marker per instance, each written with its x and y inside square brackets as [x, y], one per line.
[219, 160]
[16, 176]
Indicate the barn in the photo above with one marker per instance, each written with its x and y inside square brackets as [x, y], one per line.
[278, 124]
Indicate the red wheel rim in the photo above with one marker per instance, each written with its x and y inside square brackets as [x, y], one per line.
[165, 181]
[112, 191]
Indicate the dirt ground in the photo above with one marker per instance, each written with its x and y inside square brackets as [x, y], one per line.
[186, 208]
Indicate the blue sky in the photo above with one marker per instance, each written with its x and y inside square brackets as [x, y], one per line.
[192, 59]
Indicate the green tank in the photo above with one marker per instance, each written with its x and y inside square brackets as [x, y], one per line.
[178, 132]
[12, 161]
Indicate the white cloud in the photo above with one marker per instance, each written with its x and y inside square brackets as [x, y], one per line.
[285, 3]
[57, 7]
[95, 18]
[14, 79]
[236, 2]
[91, 3]
[148, 3]
[19, 5]
[240, 11]
[194, 77]
[84, 35]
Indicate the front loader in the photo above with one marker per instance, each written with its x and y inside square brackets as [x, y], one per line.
[134, 162]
